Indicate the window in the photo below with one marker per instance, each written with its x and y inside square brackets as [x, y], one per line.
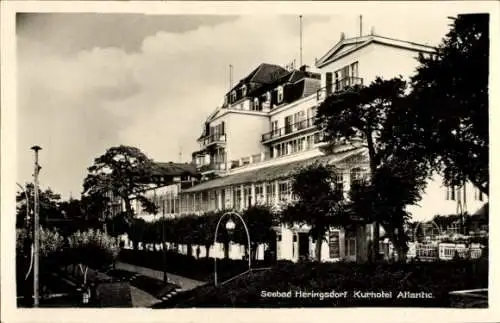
[311, 113]
[237, 198]
[284, 148]
[356, 175]
[478, 195]
[247, 196]
[280, 94]
[339, 184]
[274, 128]
[259, 193]
[233, 96]
[244, 90]
[298, 120]
[268, 96]
[256, 105]
[450, 193]
[309, 142]
[454, 228]
[271, 193]
[284, 191]
[354, 69]
[351, 246]
[288, 124]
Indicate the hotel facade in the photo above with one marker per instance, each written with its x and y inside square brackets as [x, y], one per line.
[250, 146]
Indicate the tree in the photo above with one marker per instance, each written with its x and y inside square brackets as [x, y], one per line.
[318, 203]
[205, 230]
[125, 172]
[365, 112]
[260, 221]
[395, 185]
[48, 205]
[446, 123]
[91, 249]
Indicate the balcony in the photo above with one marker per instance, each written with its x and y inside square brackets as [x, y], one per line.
[215, 139]
[338, 87]
[289, 130]
[211, 167]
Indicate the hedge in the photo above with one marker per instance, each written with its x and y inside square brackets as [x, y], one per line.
[201, 269]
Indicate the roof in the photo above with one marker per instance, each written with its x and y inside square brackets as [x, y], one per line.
[174, 169]
[297, 84]
[350, 45]
[276, 172]
[264, 74]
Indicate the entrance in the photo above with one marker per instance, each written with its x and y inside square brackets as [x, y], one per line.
[303, 246]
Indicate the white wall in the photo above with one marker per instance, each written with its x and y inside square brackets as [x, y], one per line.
[376, 60]
[290, 109]
[434, 201]
[245, 134]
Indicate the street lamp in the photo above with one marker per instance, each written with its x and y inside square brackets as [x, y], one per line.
[230, 225]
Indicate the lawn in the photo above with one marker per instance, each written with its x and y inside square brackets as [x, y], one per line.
[356, 285]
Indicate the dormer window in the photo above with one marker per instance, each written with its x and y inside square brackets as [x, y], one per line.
[256, 103]
[268, 96]
[244, 90]
[280, 94]
[233, 96]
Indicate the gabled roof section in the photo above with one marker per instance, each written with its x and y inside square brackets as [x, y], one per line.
[174, 169]
[283, 171]
[350, 45]
[264, 74]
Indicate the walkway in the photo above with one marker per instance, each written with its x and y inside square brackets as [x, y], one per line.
[139, 297]
[183, 282]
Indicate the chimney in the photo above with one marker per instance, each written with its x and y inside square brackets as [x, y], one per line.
[342, 36]
[304, 68]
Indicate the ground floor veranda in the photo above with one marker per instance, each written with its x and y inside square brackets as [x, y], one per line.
[291, 243]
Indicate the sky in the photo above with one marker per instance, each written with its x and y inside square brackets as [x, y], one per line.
[89, 81]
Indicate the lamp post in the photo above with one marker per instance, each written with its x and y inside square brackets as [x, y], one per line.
[230, 225]
[163, 251]
[36, 228]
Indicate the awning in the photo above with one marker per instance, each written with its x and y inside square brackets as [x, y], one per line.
[278, 171]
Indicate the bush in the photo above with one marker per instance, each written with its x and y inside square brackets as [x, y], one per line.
[200, 269]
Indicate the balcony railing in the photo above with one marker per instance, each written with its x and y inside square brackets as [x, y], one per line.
[213, 139]
[289, 129]
[338, 86]
[212, 167]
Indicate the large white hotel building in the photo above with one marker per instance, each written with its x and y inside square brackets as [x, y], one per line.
[264, 131]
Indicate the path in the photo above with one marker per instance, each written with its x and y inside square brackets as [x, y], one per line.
[183, 282]
[139, 297]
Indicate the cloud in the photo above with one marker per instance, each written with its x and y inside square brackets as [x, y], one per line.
[75, 104]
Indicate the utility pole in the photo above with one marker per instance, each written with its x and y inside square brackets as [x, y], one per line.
[230, 76]
[36, 228]
[300, 18]
[360, 25]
